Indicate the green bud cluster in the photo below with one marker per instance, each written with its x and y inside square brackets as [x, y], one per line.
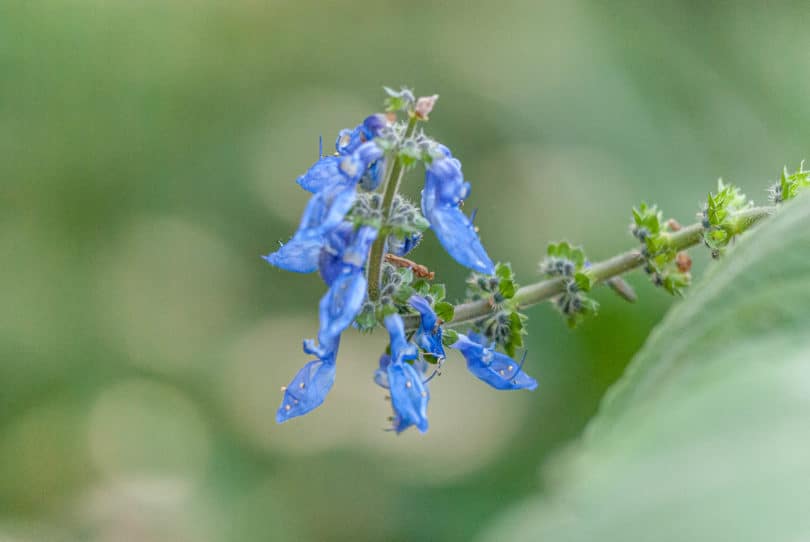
[569, 262]
[655, 235]
[789, 184]
[504, 324]
[720, 216]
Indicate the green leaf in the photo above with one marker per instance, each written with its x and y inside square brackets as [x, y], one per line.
[449, 337]
[706, 436]
[403, 294]
[437, 292]
[444, 310]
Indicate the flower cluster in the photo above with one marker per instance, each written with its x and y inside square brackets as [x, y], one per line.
[356, 231]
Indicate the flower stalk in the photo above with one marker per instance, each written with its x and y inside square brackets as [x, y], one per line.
[392, 181]
[544, 290]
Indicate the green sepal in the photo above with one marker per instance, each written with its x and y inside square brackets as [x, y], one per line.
[366, 320]
[583, 281]
[563, 250]
[444, 310]
[675, 282]
[648, 217]
[506, 285]
[517, 328]
[437, 292]
[449, 337]
[403, 294]
[589, 307]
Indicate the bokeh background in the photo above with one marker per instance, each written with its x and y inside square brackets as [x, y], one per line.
[149, 152]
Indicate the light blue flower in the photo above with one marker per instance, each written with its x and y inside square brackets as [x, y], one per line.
[496, 369]
[324, 213]
[348, 140]
[429, 335]
[444, 191]
[309, 387]
[325, 172]
[409, 394]
[345, 274]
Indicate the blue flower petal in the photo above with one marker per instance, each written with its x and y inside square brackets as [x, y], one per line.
[459, 238]
[401, 349]
[445, 189]
[409, 397]
[429, 334]
[401, 247]
[323, 174]
[381, 374]
[330, 259]
[373, 176]
[339, 307]
[307, 390]
[300, 254]
[496, 369]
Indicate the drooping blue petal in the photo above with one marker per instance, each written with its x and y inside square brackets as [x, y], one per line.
[356, 253]
[339, 307]
[409, 397]
[444, 191]
[457, 235]
[496, 369]
[324, 173]
[381, 374]
[307, 390]
[330, 259]
[300, 254]
[345, 249]
[401, 349]
[429, 335]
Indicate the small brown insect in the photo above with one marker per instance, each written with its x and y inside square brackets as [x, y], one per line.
[673, 224]
[419, 270]
[683, 261]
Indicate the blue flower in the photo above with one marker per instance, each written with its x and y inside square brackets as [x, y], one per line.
[496, 369]
[409, 394]
[324, 213]
[325, 172]
[344, 272]
[364, 162]
[401, 246]
[309, 387]
[444, 191]
[348, 140]
[429, 335]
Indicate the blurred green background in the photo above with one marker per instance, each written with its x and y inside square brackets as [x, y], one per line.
[149, 151]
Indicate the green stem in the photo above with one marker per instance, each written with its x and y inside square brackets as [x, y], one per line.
[532, 294]
[375, 258]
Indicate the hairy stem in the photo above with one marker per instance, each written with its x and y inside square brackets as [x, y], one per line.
[532, 294]
[375, 258]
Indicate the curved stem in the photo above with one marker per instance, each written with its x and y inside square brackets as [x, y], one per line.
[375, 258]
[532, 294]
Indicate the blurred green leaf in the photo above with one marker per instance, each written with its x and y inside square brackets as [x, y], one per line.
[706, 435]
